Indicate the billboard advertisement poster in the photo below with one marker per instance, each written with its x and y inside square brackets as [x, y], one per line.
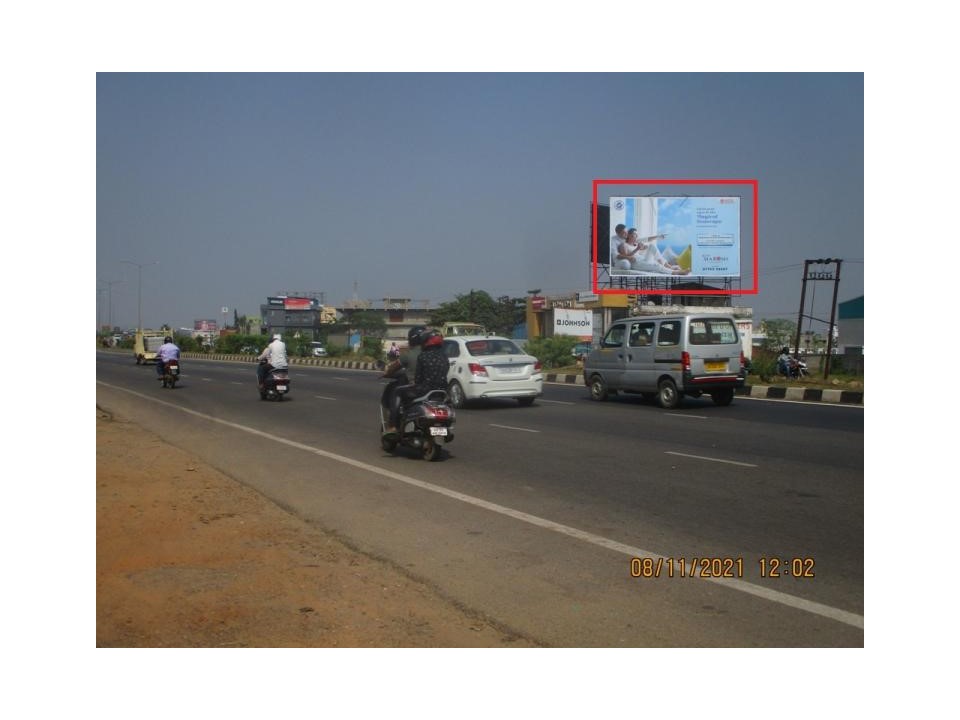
[205, 325]
[676, 236]
[578, 323]
[296, 303]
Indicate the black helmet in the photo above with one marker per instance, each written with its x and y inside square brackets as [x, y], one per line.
[785, 351]
[415, 336]
[168, 339]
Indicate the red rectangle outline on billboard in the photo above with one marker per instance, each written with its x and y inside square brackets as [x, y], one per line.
[756, 238]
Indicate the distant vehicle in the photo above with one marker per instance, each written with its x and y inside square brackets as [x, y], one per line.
[664, 358]
[581, 349]
[145, 346]
[488, 366]
[457, 329]
[317, 349]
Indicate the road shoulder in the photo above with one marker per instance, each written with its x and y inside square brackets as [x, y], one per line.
[188, 557]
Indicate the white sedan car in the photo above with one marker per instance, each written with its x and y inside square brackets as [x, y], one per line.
[487, 366]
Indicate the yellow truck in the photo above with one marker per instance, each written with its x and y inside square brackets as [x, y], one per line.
[145, 346]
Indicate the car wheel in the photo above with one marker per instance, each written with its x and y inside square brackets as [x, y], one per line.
[598, 388]
[668, 396]
[722, 397]
[526, 401]
[457, 398]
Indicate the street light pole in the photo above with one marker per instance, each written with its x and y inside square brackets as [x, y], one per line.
[110, 284]
[140, 267]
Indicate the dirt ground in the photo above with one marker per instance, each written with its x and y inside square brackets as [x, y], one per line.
[188, 557]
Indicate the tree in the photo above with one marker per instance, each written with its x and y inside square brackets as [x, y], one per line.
[779, 333]
[499, 316]
[367, 323]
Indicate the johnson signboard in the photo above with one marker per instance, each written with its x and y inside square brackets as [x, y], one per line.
[578, 323]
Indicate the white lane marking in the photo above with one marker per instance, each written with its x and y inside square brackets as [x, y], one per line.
[324, 397]
[335, 377]
[555, 402]
[234, 382]
[207, 379]
[818, 403]
[510, 427]
[710, 459]
[684, 415]
[842, 616]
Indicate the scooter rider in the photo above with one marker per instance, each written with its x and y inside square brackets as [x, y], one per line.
[274, 356]
[431, 374]
[165, 353]
[400, 368]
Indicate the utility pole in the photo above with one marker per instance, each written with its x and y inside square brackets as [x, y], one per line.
[817, 276]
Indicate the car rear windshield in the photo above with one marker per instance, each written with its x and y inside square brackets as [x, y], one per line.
[491, 346]
[712, 331]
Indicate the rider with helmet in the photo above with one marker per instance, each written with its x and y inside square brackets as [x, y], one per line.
[165, 353]
[421, 341]
[274, 356]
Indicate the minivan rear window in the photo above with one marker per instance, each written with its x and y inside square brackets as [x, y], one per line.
[712, 331]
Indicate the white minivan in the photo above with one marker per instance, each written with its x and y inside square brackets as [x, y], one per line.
[666, 357]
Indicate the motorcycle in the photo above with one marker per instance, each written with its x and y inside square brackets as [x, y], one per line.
[275, 384]
[424, 423]
[794, 369]
[171, 373]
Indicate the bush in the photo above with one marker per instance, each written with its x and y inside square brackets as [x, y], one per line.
[764, 364]
[336, 351]
[372, 347]
[231, 344]
[553, 352]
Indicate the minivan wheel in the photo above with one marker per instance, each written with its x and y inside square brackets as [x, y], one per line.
[668, 396]
[598, 388]
[722, 397]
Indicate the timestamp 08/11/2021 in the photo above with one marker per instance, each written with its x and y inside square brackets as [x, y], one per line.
[720, 567]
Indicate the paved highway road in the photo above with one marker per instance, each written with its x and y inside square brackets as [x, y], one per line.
[543, 518]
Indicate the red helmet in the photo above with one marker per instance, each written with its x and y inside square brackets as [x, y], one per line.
[432, 339]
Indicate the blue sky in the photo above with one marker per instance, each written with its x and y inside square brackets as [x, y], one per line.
[426, 185]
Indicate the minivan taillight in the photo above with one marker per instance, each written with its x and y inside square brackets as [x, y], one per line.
[743, 360]
[685, 360]
[477, 369]
[537, 366]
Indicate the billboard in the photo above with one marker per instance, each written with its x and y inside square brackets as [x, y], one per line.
[205, 325]
[292, 303]
[578, 323]
[674, 236]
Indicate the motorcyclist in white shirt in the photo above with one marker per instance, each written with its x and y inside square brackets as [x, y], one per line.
[166, 352]
[273, 356]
